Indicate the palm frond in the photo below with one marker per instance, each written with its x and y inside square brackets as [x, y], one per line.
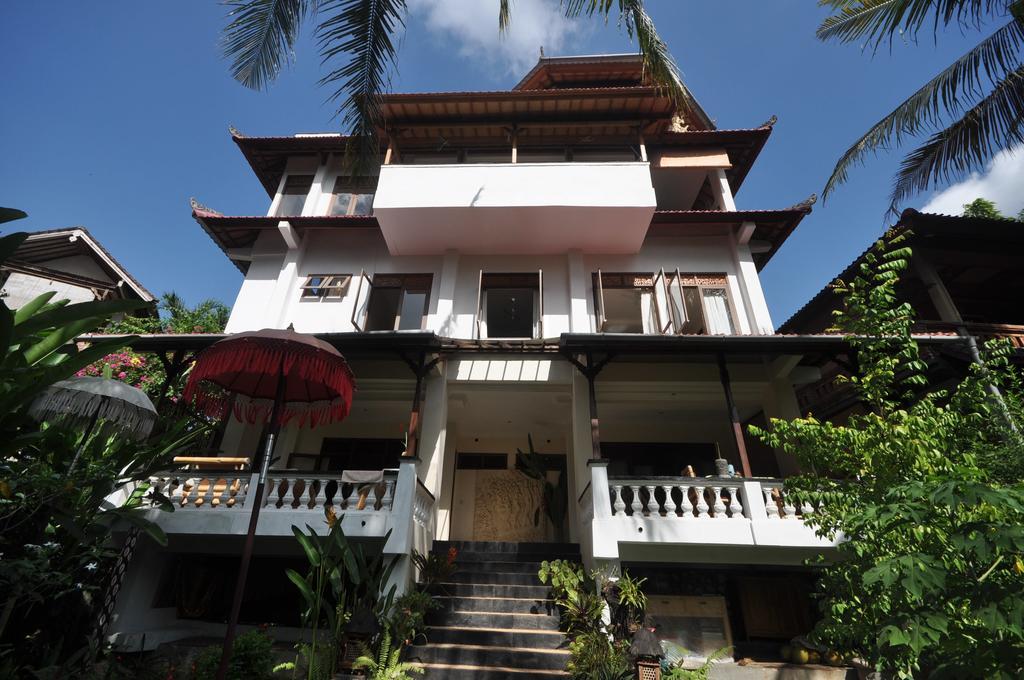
[996, 122]
[504, 15]
[991, 60]
[877, 20]
[260, 36]
[363, 32]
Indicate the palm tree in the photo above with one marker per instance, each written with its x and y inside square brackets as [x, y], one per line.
[971, 110]
[356, 39]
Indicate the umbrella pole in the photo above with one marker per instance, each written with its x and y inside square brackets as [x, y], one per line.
[85, 437]
[250, 537]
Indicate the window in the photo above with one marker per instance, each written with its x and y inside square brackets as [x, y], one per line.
[510, 305]
[353, 195]
[339, 454]
[293, 195]
[397, 302]
[481, 461]
[631, 303]
[321, 286]
[701, 304]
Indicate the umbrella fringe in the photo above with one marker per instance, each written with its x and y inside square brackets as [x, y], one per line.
[251, 356]
[79, 407]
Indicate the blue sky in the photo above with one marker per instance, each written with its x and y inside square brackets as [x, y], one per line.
[115, 113]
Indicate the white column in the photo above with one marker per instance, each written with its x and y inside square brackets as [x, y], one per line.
[579, 317]
[780, 402]
[757, 306]
[442, 321]
[433, 429]
[443, 525]
[721, 190]
[401, 540]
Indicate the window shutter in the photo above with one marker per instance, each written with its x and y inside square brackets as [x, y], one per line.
[479, 301]
[540, 298]
[661, 302]
[359, 304]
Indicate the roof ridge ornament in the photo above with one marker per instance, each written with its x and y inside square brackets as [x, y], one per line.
[770, 122]
[235, 132]
[199, 207]
[806, 204]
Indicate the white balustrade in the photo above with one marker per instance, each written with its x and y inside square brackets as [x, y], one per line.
[714, 498]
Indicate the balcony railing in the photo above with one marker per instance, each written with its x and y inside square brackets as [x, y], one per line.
[712, 511]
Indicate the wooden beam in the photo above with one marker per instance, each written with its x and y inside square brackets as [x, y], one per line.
[734, 416]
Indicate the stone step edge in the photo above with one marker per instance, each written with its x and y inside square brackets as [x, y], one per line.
[489, 669]
[525, 631]
[489, 648]
[502, 585]
[459, 611]
[482, 597]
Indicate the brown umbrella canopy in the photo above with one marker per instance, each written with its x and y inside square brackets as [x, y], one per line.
[318, 383]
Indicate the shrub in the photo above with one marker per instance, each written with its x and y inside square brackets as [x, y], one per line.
[251, 659]
[408, 616]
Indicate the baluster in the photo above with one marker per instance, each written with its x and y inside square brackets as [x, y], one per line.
[371, 498]
[787, 506]
[618, 504]
[389, 494]
[735, 506]
[299, 490]
[319, 499]
[702, 503]
[186, 491]
[670, 505]
[218, 487]
[769, 503]
[353, 499]
[719, 506]
[807, 509]
[636, 507]
[686, 506]
[652, 502]
[282, 492]
[233, 491]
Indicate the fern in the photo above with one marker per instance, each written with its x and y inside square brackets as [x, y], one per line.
[386, 664]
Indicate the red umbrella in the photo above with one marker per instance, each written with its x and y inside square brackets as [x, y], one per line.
[284, 377]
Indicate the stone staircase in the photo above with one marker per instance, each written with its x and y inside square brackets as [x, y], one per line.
[495, 621]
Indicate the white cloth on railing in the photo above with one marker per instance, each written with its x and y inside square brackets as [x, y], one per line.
[362, 476]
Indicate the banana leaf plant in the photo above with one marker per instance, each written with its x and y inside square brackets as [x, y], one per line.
[555, 495]
[342, 583]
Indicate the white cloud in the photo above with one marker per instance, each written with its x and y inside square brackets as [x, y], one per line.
[472, 26]
[1002, 182]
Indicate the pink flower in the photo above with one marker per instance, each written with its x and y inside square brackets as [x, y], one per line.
[122, 375]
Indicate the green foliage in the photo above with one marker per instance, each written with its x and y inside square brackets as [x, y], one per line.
[922, 488]
[982, 207]
[341, 582]
[676, 671]
[252, 658]
[593, 656]
[970, 111]
[555, 497]
[408, 616]
[56, 514]
[386, 663]
[434, 569]
[627, 603]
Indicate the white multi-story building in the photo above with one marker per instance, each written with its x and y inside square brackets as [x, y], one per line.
[562, 262]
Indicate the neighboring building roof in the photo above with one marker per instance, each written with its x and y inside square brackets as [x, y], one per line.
[997, 238]
[43, 247]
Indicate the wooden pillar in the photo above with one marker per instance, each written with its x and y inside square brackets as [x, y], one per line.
[413, 440]
[734, 416]
[595, 425]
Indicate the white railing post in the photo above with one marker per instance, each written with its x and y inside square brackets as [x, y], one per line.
[403, 525]
[604, 542]
[753, 501]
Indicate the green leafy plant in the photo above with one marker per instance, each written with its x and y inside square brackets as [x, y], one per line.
[434, 569]
[627, 603]
[62, 493]
[341, 582]
[593, 656]
[407, 618]
[575, 594]
[252, 658]
[386, 663]
[555, 496]
[927, 579]
[676, 671]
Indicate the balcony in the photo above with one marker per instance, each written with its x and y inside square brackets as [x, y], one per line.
[724, 518]
[218, 502]
[515, 208]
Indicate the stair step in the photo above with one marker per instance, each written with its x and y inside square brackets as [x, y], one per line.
[509, 605]
[491, 551]
[488, 576]
[521, 567]
[493, 620]
[495, 637]
[456, 672]
[453, 589]
[485, 655]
